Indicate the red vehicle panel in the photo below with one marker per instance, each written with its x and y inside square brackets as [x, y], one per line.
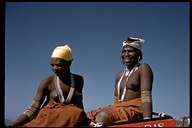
[158, 122]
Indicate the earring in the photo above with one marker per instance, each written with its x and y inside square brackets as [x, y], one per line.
[139, 58]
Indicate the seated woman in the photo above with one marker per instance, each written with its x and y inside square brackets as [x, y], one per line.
[63, 90]
[133, 86]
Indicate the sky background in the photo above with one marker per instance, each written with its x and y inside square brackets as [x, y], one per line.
[95, 32]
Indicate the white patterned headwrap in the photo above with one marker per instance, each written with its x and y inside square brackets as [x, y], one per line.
[134, 42]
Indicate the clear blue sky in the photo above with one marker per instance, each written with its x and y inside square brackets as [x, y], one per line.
[95, 32]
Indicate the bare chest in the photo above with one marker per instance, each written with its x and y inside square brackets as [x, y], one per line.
[53, 92]
[131, 82]
[65, 90]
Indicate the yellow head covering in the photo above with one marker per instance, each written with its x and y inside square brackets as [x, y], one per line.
[63, 52]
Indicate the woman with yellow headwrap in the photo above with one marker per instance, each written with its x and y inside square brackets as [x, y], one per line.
[63, 106]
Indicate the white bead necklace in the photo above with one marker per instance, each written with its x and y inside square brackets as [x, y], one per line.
[128, 74]
[59, 91]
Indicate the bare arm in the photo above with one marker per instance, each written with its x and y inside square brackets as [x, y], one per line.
[23, 119]
[116, 91]
[79, 80]
[146, 76]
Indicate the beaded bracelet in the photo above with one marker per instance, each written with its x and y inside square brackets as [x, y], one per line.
[145, 118]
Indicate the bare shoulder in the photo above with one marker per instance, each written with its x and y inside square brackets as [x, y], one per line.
[79, 81]
[77, 76]
[118, 76]
[145, 69]
[145, 66]
[46, 81]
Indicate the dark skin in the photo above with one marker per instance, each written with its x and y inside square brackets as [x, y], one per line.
[140, 80]
[46, 88]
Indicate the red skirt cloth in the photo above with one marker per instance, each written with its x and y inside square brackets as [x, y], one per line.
[57, 115]
[120, 112]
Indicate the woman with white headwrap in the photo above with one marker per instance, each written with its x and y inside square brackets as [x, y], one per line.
[63, 106]
[133, 86]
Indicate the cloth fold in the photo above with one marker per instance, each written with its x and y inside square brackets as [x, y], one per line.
[123, 111]
[58, 115]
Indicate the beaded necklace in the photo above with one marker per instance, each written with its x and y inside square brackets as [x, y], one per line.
[59, 91]
[128, 74]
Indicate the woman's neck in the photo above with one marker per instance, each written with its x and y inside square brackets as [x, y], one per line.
[132, 66]
[66, 78]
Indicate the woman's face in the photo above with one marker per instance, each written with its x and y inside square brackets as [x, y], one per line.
[129, 56]
[60, 66]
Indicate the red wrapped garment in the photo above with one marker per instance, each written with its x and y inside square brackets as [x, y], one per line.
[120, 112]
[57, 115]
